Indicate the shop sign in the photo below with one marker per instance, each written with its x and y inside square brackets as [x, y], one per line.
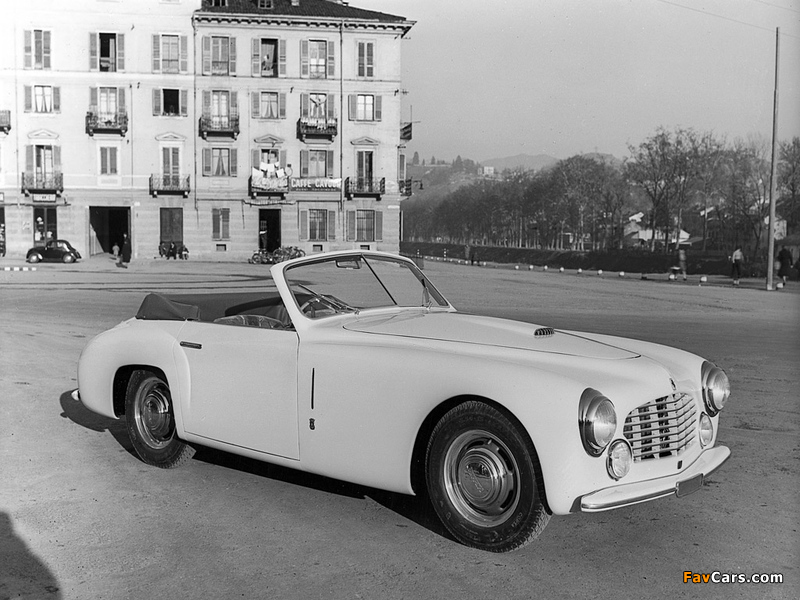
[43, 197]
[300, 184]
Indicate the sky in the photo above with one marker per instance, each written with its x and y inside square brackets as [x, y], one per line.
[495, 78]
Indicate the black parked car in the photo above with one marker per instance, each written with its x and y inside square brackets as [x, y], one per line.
[53, 251]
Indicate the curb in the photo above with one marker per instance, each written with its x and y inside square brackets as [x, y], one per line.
[19, 268]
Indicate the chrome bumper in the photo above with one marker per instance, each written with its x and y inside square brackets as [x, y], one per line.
[681, 484]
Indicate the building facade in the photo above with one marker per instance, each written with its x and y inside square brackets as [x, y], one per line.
[223, 126]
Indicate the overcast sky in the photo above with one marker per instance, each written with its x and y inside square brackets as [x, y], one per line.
[496, 78]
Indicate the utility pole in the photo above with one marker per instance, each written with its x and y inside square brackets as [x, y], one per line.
[773, 187]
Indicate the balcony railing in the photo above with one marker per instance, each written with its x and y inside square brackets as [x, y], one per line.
[317, 127]
[102, 122]
[268, 185]
[35, 183]
[360, 186]
[405, 186]
[5, 121]
[406, 132]
[170, 184]
[223, 125]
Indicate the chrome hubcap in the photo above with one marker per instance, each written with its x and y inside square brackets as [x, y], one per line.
[481, 478]
[153, 417]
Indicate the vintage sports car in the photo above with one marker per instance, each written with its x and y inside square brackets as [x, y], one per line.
[53, 251]
[352, 365]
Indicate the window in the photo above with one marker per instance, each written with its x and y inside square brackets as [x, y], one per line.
[107, 103]
[317, 59]
[318, 107]
[268, 57]
[265, 3]
[220, 223]
[37, 49]
[317, 104]
[42, 99]
[220, 107]
[108, 160]
[318, 225]
[366, 59]
[219, 3]
[106, 52]
[219, 55]
[364, 225]
[364, 173]
[364, 107]
[170, 53]
[46, 224]
[316, 163]
[171, 225]
[171, 164]
[219, 162]
[268, 105]
[168, 102]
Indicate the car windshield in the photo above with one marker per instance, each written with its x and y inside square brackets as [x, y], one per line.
[345, 284]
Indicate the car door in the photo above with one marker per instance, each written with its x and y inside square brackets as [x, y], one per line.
[243, 386]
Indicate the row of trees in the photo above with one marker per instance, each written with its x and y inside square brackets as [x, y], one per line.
[681, 179]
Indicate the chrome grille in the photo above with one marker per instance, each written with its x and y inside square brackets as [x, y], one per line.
[661, 428]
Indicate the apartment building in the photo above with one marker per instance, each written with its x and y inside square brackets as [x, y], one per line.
[222, 125]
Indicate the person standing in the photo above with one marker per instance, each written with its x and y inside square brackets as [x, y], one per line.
[682, 262]
[125, 252]
[736, 264]
[785, 262]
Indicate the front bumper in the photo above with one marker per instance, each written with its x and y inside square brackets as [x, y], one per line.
[680, 484]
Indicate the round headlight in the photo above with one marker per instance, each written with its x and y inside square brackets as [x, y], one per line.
[620, 459]
[716, 388]
[597, 421]
[706, 430]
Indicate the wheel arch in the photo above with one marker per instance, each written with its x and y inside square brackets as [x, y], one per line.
[426, 429]
[120, 386]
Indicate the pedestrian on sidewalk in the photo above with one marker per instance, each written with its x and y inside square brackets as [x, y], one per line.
[125, 252]
[737, 258]
[785, 262]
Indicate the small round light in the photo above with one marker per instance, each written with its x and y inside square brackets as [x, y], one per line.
[716, 388]
[620, 459]
[706, 430]
[597, 421]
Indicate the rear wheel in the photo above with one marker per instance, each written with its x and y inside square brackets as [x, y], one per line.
[151, 422]
[34, 258]
[483, 479]
[68, 258]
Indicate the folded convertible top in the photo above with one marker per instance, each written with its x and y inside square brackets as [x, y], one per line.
[158, 308]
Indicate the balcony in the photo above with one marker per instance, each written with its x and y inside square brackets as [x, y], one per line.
[219, 125]
[51, 184]
[360, 186]
[5, 121]
[406, 186]
[102, 122]
[406, 132]
[315, 127]
[260, 185]
[169, 184]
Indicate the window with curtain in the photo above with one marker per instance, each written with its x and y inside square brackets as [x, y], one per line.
[269, 105]
[43, 98]
[317, 106]
[318, 225]
[365, 225]
[170, 54]
[220, 55]
[108, 160]
[365, 107]
[220, 162]
[317, 163]
[220, 223]
[317, 58]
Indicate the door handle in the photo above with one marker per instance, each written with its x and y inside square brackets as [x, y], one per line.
[193, 345]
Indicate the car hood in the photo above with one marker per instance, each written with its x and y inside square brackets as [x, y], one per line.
[488, 331]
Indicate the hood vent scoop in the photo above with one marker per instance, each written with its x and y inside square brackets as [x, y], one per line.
[544, 332]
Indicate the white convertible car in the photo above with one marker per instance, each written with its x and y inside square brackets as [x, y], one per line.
[352, 365]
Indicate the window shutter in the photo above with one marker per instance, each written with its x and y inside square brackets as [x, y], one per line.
[120, 52]
[57, 158]
[282, 155]
[29, 159]
[234, 111]
[206, 103]
[45, 49]
[370, 60]
[282, 105]
[255, 158]
[184, 50]
[234, 162]
[94, 60]
[104, 160]
[28, 49]
[165, 162]
[303, 163]
[184, 103]
[361, 68]
[378, 107]
[121, 99]
[378, 225]
[57, 99]
[303, 233]
[281, 57]
[330, 103]
[303, 105]
[255, 57]
[331, 59]
[226, 223]
[206, 162]
[331, 225]
[93, 99]
[156, 53]
[303, 58]
[351, 225]
[254, 104]
[206, 55]
[215, 223]
[232, 56]
[352, 102]
[28, 98]
[329, 163]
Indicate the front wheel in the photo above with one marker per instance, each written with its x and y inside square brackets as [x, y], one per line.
[483, 479]
[151, 422]
[68, 258]
[34, 258]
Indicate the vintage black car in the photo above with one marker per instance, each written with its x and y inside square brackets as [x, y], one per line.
[53, 251]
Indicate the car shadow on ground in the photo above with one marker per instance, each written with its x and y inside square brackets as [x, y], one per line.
[76, 412]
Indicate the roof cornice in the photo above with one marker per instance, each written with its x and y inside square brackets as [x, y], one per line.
[253, 20]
